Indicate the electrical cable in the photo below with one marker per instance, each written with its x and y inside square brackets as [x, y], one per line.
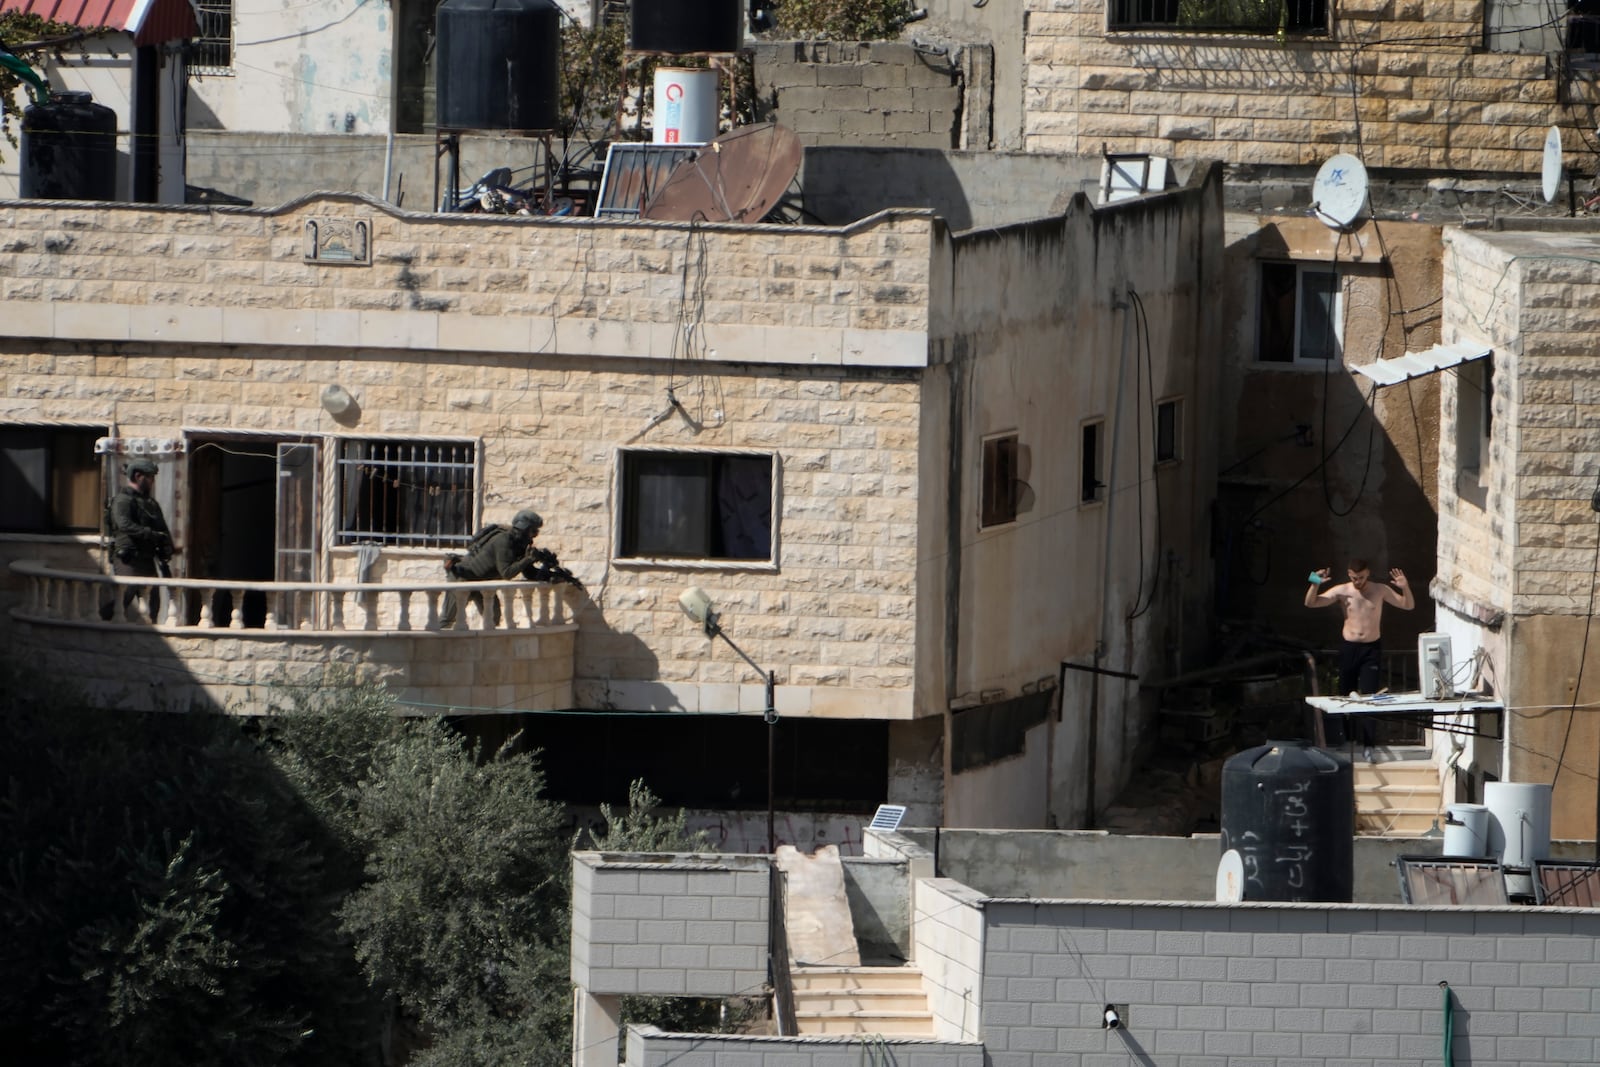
[1583, 655]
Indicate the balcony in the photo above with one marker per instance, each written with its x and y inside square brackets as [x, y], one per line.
[237, 646]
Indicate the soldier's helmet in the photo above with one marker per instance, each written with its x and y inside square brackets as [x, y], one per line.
[527, 520]
[142, 466]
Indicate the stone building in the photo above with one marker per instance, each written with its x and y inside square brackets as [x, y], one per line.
[899, 458]
[1517, 493]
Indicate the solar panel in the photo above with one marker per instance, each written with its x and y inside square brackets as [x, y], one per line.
[1427, 880]
[1566, 883]
[634, 172]
[887, 817]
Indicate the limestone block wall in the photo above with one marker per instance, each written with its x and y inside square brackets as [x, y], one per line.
[552, 348]
[811, 295]
[1210, 985]
[1427, 95]
[251, 672]
[684, 926]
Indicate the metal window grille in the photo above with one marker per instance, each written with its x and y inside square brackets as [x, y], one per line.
[212, 51]
[1221, 16]
[418, 494]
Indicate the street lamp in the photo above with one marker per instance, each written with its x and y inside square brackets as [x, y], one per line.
[696, 603]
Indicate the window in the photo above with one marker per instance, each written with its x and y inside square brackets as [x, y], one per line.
[1474, 412]
[1300, 313]
[420, 493]
[1267, 17]
[697, 505]
[1169, 431]
[50, 479]
[1092, 481]
[212, 51]
[1000, 474]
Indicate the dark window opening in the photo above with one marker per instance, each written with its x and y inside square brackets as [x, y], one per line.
[1221, 16]
[1000, 474]
[50, 479]
[701, 761]
[696, 505]
[1168, 426]
[407, 493]
[1299, 313]
[1091, 481]
[212, 51]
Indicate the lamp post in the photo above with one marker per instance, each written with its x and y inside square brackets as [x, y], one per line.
[696, 603]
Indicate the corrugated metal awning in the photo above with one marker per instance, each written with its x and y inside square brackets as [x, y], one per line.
[150, 21]
[1419, 364]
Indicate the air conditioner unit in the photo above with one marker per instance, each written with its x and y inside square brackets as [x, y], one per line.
[1434, 667]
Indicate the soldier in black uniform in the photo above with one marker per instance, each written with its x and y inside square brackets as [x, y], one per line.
[140, 540]
[497, 554]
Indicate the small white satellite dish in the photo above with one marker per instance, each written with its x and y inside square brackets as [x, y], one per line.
[1551, 172]
[1339, 193]
[1230, 878]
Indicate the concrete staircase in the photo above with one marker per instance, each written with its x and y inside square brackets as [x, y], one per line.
[888, 1001]
[1397, 797]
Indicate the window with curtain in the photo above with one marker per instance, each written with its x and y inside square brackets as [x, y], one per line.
[697, 505]
[407, 493]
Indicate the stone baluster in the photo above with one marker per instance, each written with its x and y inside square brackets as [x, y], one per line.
[236, 622]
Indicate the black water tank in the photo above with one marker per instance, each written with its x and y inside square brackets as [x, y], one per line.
[499, 64]
[1288, 808]
[69, 149]
[684, 27]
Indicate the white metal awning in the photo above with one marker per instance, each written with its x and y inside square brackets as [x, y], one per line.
[1420, 364]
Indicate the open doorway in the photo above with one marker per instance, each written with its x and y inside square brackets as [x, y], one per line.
[252, 518]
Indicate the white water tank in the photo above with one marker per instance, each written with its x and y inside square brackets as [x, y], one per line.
[685, 106]
[1519, 822]
[1466, 830]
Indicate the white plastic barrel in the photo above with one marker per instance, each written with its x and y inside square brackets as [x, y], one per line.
[686, 106]
[1466, 830]
[1519, 822]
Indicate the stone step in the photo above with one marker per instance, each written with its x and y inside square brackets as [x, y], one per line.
[887, 1023]
[852, 978]
[1396, 823]
[844, 1002]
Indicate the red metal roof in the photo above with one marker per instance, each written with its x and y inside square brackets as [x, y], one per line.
[150, 21]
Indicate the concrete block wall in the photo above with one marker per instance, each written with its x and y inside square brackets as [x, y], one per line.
[1262, 985]
[948, 947]
[688, 926]
[861, 92]
[1450, 106]
[649, 1047]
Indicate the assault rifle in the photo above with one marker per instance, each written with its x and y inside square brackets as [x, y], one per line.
[541, 565]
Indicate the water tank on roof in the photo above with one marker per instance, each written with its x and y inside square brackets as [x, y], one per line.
[69, 149]
[1288, 808]
[499, 64]
[684, 27]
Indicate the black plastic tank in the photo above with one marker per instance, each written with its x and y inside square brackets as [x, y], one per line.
[684, 27]
[69, 149]
[1288, 809]
[499, 64]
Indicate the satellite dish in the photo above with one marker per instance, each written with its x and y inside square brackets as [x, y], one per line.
[737, 177]
[1551, 172]
[1230, 878]
[1339, 192]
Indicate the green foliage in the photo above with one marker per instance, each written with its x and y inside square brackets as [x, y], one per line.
[842, 20]
[1262, 16]
[642, 829]
[461, 914]
[165, 897]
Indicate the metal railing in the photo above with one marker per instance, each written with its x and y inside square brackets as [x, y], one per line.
[779, 977]
[214, 605]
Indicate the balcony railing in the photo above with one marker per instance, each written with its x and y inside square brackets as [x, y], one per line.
[209, 604]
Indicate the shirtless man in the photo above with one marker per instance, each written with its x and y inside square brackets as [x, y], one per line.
[1360, 653]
